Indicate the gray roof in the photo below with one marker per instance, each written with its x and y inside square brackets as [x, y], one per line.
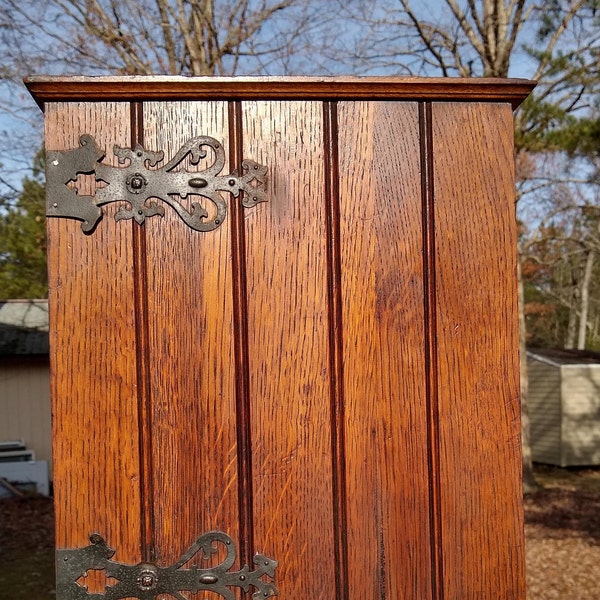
[559, 356]
[23, 327]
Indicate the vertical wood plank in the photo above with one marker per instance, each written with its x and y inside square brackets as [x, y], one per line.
[93, 355]
[430, 356]
[191, 349]
[288, 348]
[241, 356]
[336, 348]
[477, 341]
[382, 291]
[140, 300]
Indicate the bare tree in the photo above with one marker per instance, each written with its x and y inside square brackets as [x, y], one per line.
[134, 37]
[194, 37]
[586, 283]
[565, 280]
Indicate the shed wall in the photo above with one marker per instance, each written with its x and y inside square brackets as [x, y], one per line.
[544, 403]
[25, 404]
[581, 415]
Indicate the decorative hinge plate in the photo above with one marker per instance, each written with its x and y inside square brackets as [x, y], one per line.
[148, 581]
[140, 181]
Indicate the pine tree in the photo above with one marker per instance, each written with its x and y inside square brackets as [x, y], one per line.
[23, 240]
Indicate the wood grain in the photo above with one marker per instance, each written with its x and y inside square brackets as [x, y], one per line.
[191, 347]
[93, 356]
[479, 419]
[384, 370]
[330, 377]
[288, 348]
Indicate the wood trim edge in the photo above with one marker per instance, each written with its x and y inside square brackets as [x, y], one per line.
[87, 89]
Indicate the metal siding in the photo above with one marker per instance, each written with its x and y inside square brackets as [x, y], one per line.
[544, 404]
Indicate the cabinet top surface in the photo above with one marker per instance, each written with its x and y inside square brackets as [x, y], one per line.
[137, 88]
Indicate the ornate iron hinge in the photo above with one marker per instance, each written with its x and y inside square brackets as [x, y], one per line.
[147, 581]
[139, 181]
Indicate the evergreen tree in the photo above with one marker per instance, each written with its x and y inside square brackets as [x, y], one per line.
[23, 240]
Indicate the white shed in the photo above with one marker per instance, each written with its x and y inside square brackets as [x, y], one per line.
[564, 406]
[25, 375]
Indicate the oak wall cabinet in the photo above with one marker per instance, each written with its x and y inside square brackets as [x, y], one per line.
[284, 338]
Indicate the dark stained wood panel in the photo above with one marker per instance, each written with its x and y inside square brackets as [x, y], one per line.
[384, 370]
[477, 338]
[93, 355]
[288, 349]
[192, 375]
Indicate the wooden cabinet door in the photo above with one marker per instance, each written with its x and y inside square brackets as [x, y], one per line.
[327, 379]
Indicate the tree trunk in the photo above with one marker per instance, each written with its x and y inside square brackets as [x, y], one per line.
[572, 325]
[585, 295]
[529, 483]
[585, 299]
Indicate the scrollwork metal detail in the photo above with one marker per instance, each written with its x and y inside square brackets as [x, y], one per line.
[148, 581]
[140, 182]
